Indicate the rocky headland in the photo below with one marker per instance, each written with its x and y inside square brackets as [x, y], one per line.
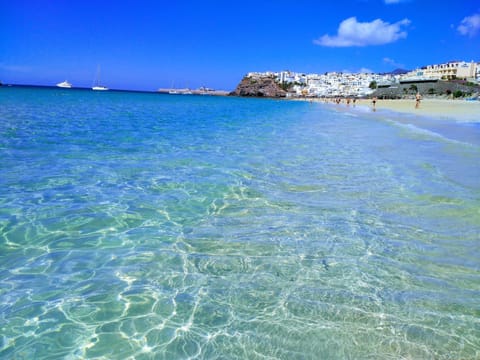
[261, 87]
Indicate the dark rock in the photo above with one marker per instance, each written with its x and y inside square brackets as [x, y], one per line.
[259, 87]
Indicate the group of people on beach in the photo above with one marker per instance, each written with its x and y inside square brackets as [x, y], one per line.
[418, 98]
[338, 100]
[348, 101]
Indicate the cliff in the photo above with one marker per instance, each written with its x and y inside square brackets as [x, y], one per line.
[261, 87]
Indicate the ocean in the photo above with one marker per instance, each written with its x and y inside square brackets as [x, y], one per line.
[149, 226]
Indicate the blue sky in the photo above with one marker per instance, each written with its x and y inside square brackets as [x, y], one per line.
[145, 45]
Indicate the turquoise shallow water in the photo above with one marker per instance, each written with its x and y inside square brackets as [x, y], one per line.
[147, 226]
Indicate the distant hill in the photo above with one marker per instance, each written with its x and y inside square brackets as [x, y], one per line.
[398, 72]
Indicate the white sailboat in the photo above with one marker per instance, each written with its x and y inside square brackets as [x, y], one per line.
[172, 90]
[65, 84]
[96, 85]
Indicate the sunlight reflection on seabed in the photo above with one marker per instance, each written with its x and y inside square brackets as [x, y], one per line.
[142, 227]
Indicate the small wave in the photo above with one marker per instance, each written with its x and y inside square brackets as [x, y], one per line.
[428, 133]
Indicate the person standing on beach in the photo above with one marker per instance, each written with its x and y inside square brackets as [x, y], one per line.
[418, 97]
[374, 102]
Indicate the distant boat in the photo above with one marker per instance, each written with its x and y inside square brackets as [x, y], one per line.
[65, 85]
[172, 90]
[99, 87]
[96, 85]
[186, 91]
[180, 91]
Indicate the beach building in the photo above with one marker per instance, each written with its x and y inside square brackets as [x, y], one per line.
[446, 71]
[260, 75]
[335, 84]
[286, 77]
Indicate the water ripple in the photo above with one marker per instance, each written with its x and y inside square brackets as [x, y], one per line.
[140, 226]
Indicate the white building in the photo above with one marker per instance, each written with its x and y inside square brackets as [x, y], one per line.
[358, 84]
[447, 71]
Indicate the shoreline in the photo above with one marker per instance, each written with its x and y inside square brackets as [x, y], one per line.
[459, 110]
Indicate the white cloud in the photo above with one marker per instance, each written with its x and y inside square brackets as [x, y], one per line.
[362, 70]
[354, 33]
[392, 62]
[470, 25]
[390, 2]
[365, 71]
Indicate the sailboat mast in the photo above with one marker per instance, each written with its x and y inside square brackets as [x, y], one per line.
[97, 77]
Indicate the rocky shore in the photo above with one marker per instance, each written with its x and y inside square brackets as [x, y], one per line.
[264, 87]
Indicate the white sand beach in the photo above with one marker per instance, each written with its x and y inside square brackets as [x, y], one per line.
[433, 114]
[461, 110]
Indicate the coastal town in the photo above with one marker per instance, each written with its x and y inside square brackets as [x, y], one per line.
[452, 79]
[431, 79]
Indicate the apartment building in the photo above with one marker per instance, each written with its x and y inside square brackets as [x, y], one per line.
[447, 71]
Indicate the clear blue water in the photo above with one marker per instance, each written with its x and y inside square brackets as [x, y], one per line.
[149, 226]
